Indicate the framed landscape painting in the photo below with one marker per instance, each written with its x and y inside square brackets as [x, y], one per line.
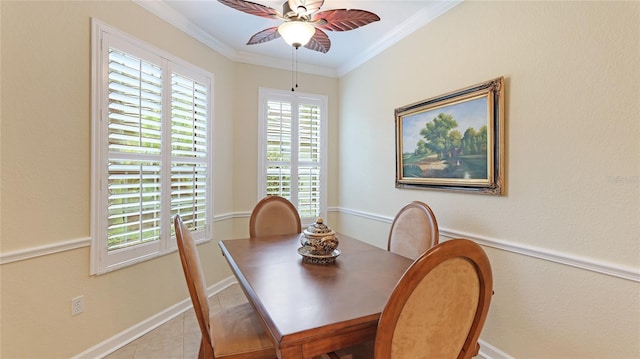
[454, 141]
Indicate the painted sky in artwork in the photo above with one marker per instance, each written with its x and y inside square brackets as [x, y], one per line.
[471, 113]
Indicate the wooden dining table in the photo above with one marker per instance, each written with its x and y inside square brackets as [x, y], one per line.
[310, 309]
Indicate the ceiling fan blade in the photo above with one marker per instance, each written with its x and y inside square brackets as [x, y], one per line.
[253, 8]
[343, 19]
[305, 7]
[319, 42]
[264, 36]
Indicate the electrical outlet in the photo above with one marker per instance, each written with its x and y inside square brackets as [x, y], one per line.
[77, 305]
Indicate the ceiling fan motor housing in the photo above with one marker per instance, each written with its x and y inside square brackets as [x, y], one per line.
[297, 14]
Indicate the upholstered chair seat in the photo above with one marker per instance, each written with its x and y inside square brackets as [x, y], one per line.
[234, 332]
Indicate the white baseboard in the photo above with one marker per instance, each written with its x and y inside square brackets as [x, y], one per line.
[123, 338]
[488, 351]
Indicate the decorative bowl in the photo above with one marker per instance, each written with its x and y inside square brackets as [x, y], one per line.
[309, 257]
[319, 238]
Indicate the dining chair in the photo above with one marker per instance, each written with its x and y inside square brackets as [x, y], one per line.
[234, 332]
[274, 215]
[439, 306]
[437, 309]
[413, 231]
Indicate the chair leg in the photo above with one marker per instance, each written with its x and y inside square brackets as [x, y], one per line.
[205, 352]
[477, 351]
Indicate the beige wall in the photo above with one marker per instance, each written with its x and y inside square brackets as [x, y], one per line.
[46, 128]
[249, 78]
[572, 73]
[572, 166]
[46, 147]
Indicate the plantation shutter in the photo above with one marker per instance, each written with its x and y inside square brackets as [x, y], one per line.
[279, 148]
[189, 151]
[151, 150]
[134, 134]
[291, 134]
[309, 157]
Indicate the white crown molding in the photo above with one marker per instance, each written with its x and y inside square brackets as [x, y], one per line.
[168, 14]
[272, 62]
[413, 23]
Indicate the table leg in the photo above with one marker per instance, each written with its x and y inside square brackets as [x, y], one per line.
[294, 352]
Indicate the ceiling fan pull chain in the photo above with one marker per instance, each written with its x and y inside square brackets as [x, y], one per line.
[292, 69]
[296, 51]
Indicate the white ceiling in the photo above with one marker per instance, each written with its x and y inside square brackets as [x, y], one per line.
[227, 31]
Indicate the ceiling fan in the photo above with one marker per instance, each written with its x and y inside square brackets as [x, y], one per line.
[303, 24]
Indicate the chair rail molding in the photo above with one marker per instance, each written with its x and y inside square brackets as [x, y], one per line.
[48, 249]
[39, 251]
[610, 269]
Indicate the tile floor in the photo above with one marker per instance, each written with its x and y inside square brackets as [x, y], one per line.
[179, 338]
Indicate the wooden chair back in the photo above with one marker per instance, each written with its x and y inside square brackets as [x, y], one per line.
[195, 282]
[414, 230]
[232, 332]
[274, 215]
[439, 306]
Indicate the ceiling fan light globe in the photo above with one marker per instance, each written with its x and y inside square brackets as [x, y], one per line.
[296, 33]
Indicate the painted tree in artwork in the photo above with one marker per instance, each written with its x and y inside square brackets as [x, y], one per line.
[421, 148]
[475, 142]
[438, 135]
[441, 138]
[482, 140]
[470, 141]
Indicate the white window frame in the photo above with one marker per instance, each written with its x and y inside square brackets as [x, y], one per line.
[103, 260]
[266, 94]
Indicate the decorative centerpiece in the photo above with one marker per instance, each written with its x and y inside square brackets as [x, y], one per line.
[319, 244]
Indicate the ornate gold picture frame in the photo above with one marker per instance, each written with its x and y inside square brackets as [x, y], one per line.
[454, 141]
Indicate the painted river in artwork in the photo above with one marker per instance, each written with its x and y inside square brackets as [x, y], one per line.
[461, 167]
